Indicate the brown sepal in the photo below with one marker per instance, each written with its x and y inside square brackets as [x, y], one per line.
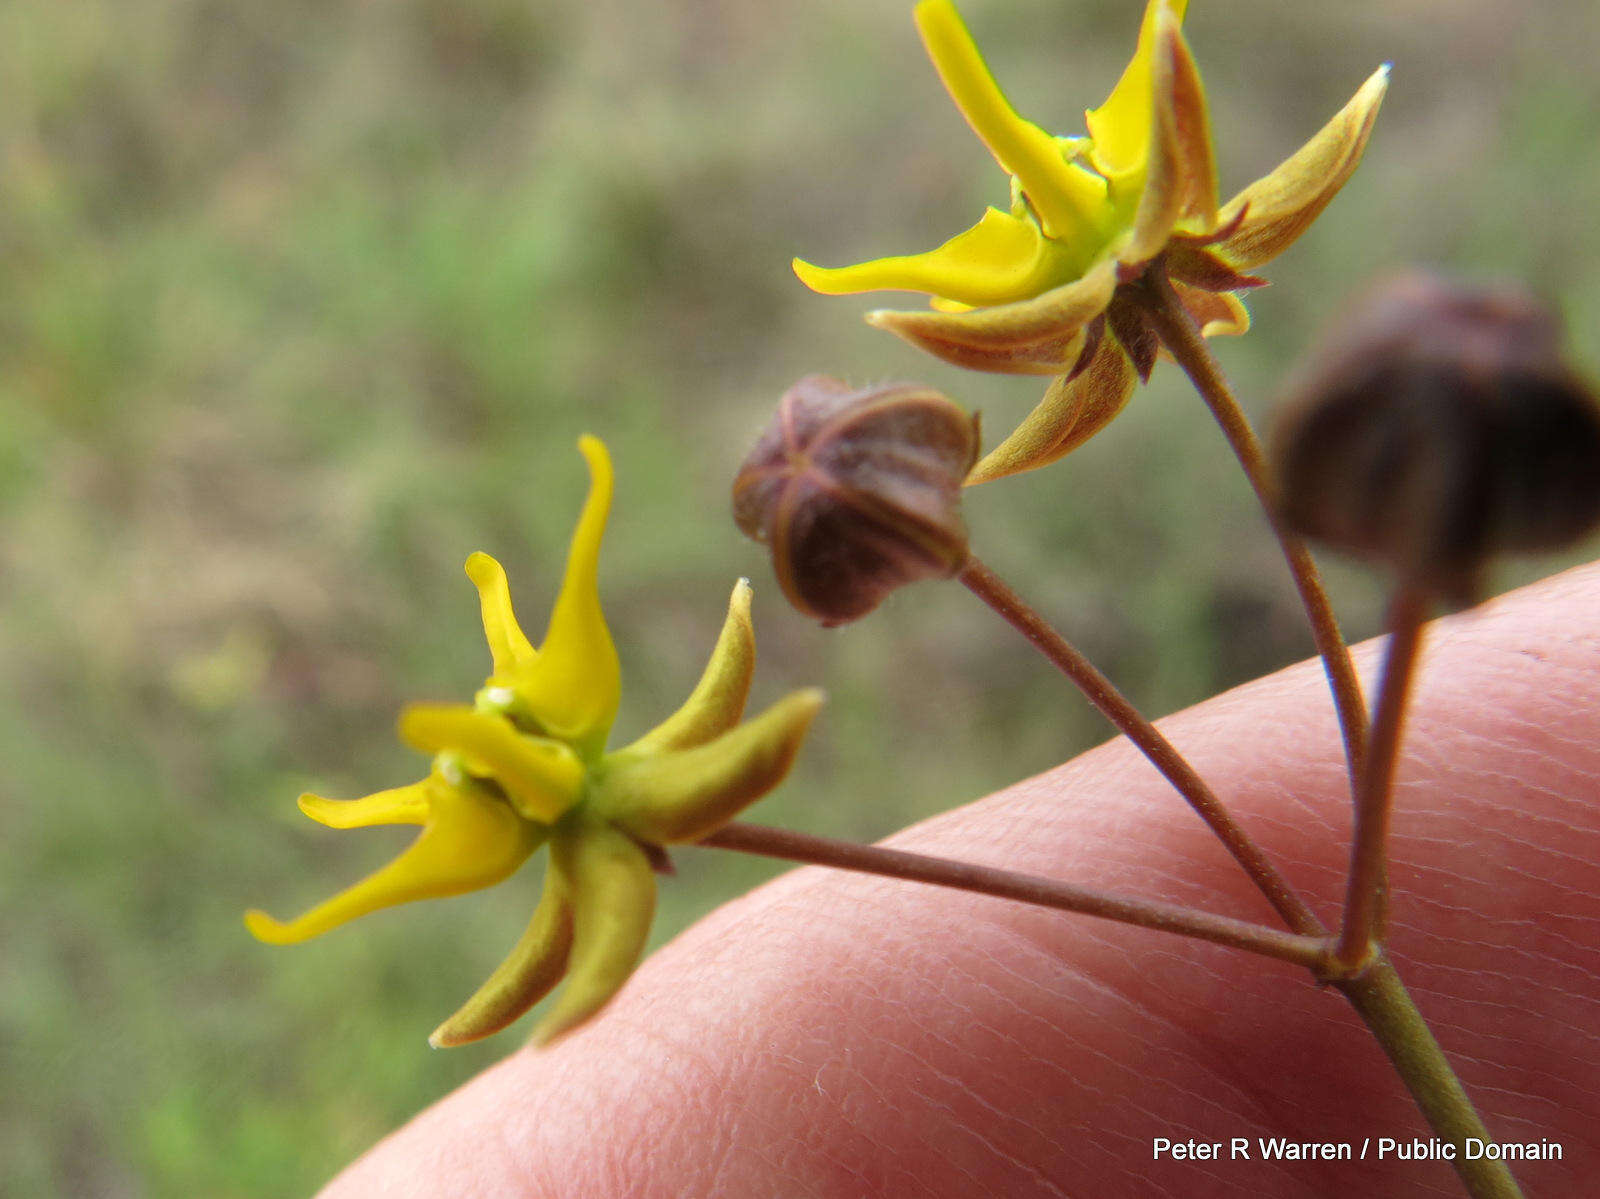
[1136, 335]
[1092, 333]
[1203, 269]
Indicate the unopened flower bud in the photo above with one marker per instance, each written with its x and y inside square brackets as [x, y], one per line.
[1440, 425]
[857, 492]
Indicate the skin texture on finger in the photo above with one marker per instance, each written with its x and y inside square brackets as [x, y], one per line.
[836, 1035]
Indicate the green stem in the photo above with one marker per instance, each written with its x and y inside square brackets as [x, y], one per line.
[1184, 342]
[1116, 708]
[1310, 952]
[1382, 1001]
[1377, 994]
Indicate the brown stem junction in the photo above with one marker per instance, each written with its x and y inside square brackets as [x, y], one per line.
[1100, 691]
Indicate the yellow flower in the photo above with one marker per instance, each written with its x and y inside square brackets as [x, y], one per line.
[526, 763]
[1043, 288]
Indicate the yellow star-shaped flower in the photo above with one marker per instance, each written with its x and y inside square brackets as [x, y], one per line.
[1038, 289]
[526, 763]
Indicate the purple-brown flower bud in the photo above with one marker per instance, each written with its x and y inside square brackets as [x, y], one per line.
[857, 492]
[1440, 425]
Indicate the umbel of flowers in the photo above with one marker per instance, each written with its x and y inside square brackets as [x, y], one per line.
[525, 764]
[1049, 285]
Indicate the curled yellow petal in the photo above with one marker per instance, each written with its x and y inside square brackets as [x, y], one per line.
[573, 687]
[1072, 411]
[400, 805]
[540, 776]
[1278, 207]
[1120, 128]
[1000, 259]
[529, 973]
[1217, 313]
[613, 896]
[508, 645]
[1070, 201]
[1039, 336]
[469, 840]
[717, 702]
[687, 794]
[1181, 179]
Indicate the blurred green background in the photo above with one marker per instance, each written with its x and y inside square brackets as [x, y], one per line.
[303, 301]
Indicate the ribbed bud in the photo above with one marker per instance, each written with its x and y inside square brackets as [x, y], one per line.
[857, 492]
[1440, 425]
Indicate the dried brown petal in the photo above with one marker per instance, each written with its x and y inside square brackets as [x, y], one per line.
[857, 492]
[1439, 426]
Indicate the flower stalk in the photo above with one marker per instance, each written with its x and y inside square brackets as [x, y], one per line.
[1386, 1007]
[1116, 708]
[1182, 339]
[1363, 928]
[1307, 951]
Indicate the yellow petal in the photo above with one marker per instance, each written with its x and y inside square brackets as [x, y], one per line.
[1120, 128]
[1070, 201]
[470, 840]
[1278, 207]
[1181, 182]
[573, 687]
[401, 805]
[531, 971]
[1217, 313]
[508, 645]
[613, 903]
[717, 702]
[1000, 259]
[685, 795]
[1041, 336]
[541, 777]
[1072, 411]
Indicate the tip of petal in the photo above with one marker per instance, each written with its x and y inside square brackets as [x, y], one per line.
[483, 569]
[316, 806]
[597, 456]
[739, 606]
[820, 278]
[1377, 83]
[810, 698]
[444, 1037]
[268, 930]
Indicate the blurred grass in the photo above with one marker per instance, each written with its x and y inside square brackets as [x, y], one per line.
[305, 301]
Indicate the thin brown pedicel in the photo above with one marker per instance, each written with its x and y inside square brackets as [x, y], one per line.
[1378, 996]
[1100, 691]
[1367, 889]
[1183, 341]
[1310, 952]
[1377, 993]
